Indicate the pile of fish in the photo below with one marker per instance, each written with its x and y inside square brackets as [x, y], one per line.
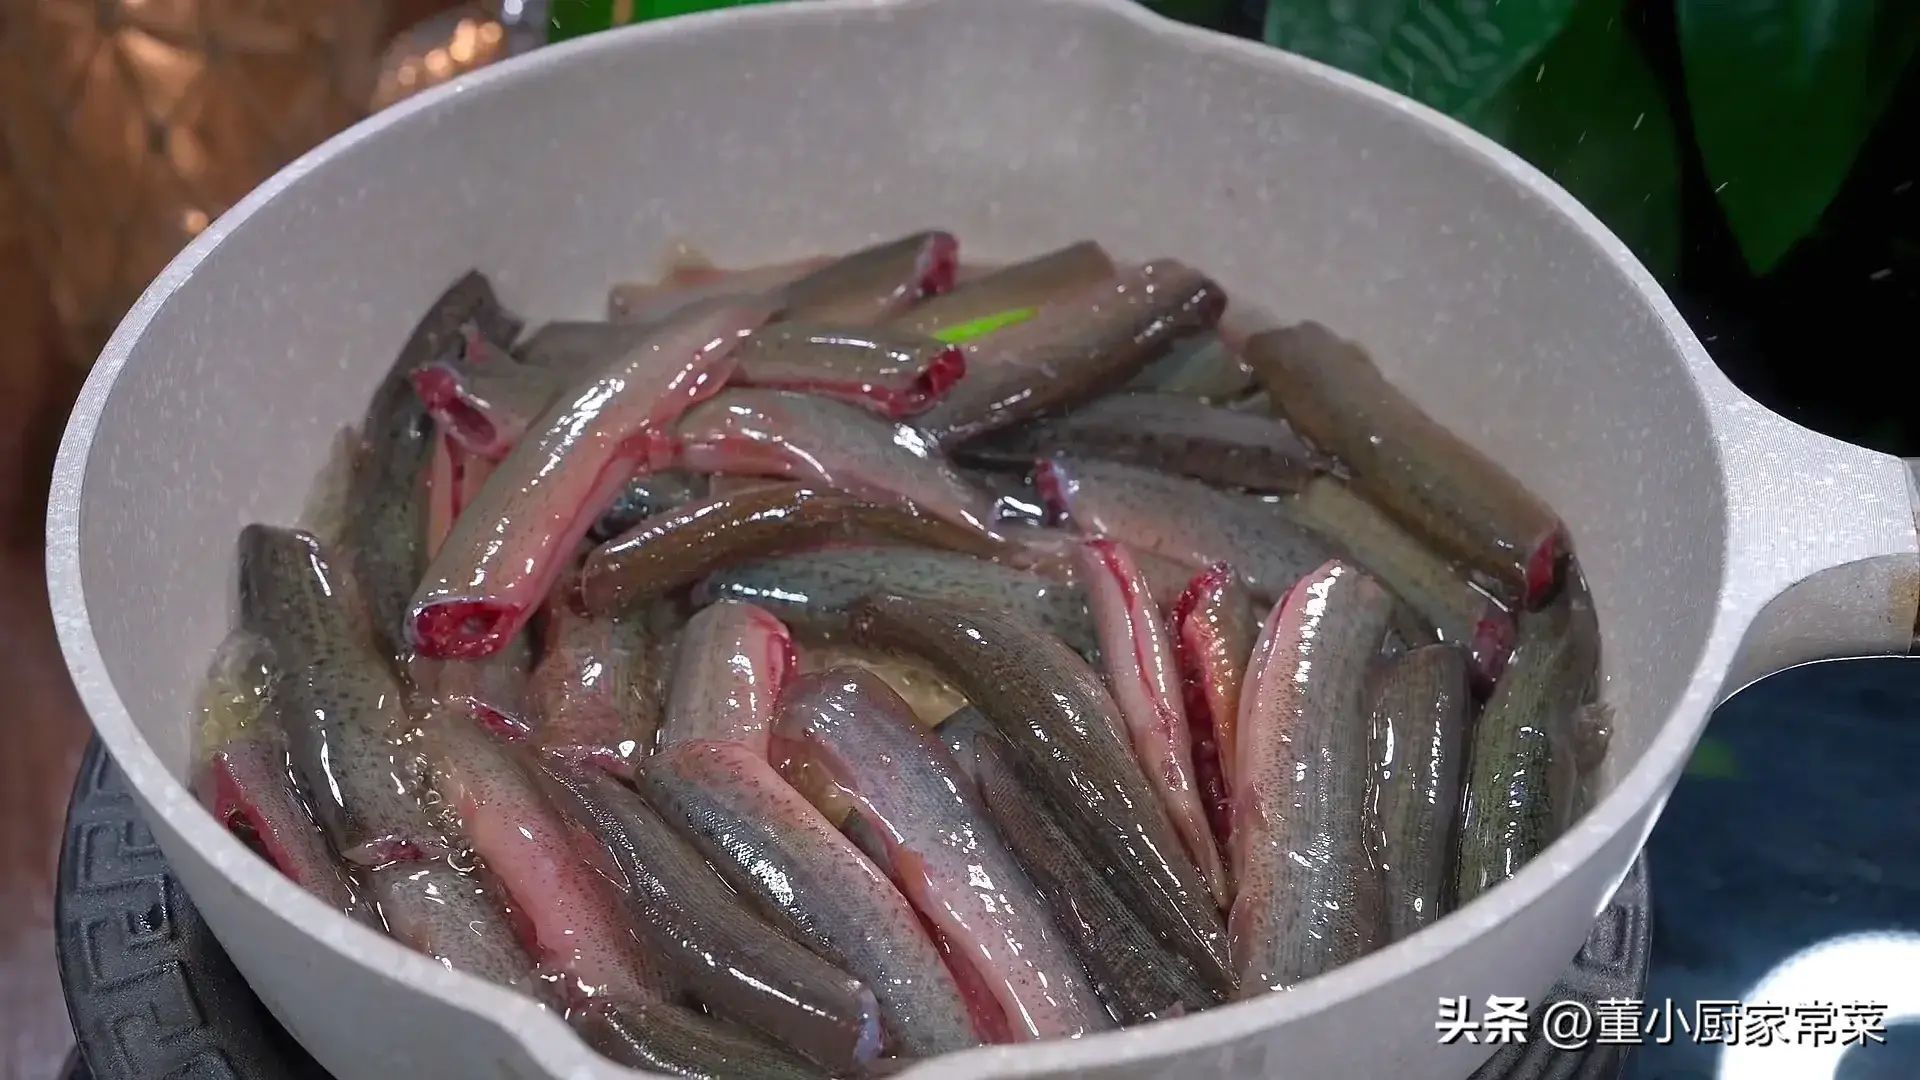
[818, 667]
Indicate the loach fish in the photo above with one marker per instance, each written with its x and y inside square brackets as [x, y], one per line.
[447, 486]
[660, 1037]
[244, 780]
[507, 549]
[484, 409]
[1137, 976]
[1053, 552]
[454, 918]
[1169, 432]
[492, 689]
[816, 589]
[775, 848]
[1145, 684]
[889, 372]
[1031, 283]
[1520, 761]
[1213, 630]
[643, 497]
[945, 855]
[570, 351]
[725, 954]
[1068, 739]
[342, 707]
[1074, 348]
[733, 663]
[930, 694]
[1182, 520]
[818, 440]
[1204, 368]
[1309, 894]
[680, 546]
[1421, 708]
[873, 283]
[245, 785]
[567, 912]
[382, 540]
[1422, 580]
[1416, 470]
[599, 689]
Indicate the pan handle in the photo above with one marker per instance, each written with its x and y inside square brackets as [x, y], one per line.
[1824, 544]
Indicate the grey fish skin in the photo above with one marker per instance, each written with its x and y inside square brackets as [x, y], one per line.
[568, 912]
[1415, 469]
[875, 282]
[819, 440]
[729, 670]
[890, 372]
[665, 1038]
[1520, 769]
[1421, 708]
[452, 917]
[572, 350]
[885, 370]
[726, 955]
[1132, 970]
[1029, 283]
[384, 539]
[946, 857]
[1183, 520]
[1068, 739]
[817, 589]
[599, 690]
[931, 696]
[246, 786]
[493, 688]
[1309, 895]
[1138, 662]
[485, 408]
[343, 709]
[643, 497]
[776, 848]
[244, 781]
[1169, 432]
[1073, 349]
[865, 835]
[1420, 577]
[507, 548]
[683, 545]
[1204, 368]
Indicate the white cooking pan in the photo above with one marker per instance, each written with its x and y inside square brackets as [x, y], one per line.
[1721, 541]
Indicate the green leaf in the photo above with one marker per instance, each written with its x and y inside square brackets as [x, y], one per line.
[1590, 113]
[1784, 93]
[1451, 54]
[961, 333]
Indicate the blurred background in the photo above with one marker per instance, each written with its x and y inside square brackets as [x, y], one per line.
[1759, 155]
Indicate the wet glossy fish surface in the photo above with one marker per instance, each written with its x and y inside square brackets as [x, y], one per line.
[1310, 896]
[945, 855]
[733, 960]
[814, 668]
[775, 847]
